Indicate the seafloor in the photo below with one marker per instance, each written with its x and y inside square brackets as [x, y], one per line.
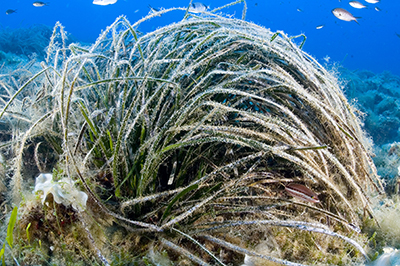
[375, 95]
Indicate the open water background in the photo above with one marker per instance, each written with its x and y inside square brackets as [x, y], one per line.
[370, 45]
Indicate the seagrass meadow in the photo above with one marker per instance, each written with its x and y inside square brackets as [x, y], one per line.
[184, 139]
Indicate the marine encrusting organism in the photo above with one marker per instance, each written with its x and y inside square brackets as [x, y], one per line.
[63, 191]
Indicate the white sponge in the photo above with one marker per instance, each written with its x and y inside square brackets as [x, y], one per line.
[63, 191]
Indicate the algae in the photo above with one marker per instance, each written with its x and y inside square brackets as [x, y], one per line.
[183, 138]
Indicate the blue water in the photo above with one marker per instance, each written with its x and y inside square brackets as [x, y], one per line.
[371, 45]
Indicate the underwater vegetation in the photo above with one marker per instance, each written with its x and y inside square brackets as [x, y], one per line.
[30, 42]
[185, 140]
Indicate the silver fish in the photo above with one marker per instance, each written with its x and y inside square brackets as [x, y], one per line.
[372, 1]
[343, 14]
[319, 27]
[104, 2]
[198, 7]
[356, 4]
[40, 4]
[377, 9]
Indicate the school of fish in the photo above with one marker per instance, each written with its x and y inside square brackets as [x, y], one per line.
[198, 7]
[345, 15]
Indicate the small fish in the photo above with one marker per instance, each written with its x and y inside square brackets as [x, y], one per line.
[319, 27]
[153, 10]
[198, 7]
[356, 4]
[104, 2]
[40, 4]
[372, 1]
[377, 9]
[302, 192]
[354, 227]
[10, 11]
[394, 147]
[343, 14]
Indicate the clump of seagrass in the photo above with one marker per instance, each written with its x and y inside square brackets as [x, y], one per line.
[188, 134]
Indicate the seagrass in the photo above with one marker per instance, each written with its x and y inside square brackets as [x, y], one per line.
[197, 126]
